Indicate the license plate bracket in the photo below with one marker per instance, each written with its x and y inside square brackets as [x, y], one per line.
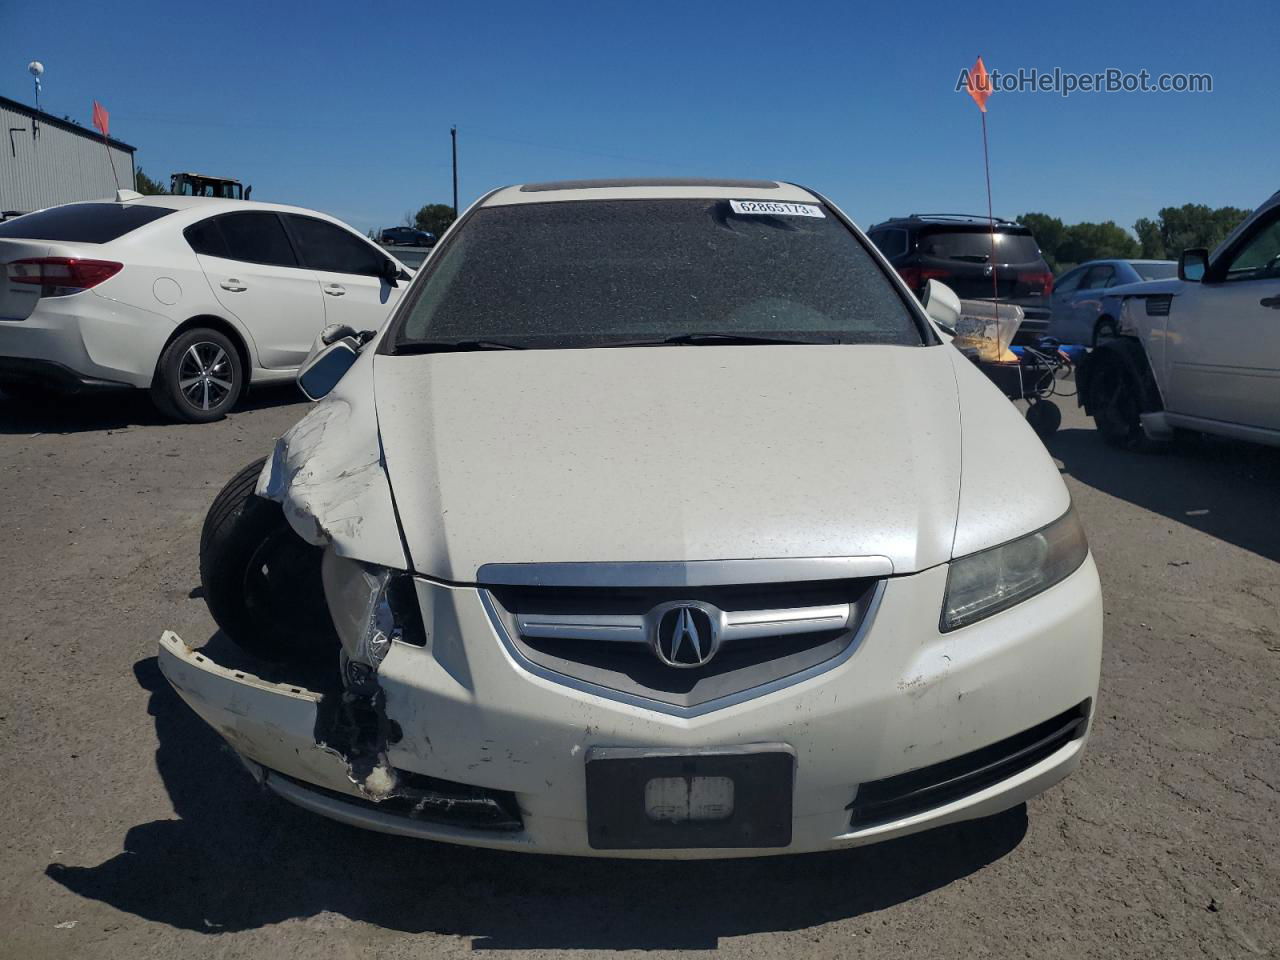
[762, 775]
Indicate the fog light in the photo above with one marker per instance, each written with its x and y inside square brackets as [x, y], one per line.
[679, 799]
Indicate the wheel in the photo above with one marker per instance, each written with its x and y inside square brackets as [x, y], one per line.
[1103, 330]
[199, 377]
[1044, 417]
[261, 580]
[1113, 401]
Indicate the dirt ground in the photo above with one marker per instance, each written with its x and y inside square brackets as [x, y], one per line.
[130, 831]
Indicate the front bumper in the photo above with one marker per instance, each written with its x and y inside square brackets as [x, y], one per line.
[908, 699]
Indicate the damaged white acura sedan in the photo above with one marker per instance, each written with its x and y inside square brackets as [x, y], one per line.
[658, 521]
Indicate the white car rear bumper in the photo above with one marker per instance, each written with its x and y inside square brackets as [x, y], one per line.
[909, 698]
[94, 338]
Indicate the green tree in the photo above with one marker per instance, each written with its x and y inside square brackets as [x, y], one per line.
[1049, 233]
[1149, 239]
[1096, 241]
[1196, 225]
[146, 186]
[434, 218]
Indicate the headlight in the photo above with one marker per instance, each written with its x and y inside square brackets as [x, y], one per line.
[985, 583]
[371, 606]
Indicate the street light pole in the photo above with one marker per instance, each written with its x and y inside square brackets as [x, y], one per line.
[453, 135]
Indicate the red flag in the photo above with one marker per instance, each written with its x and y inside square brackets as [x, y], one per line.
[979, 85]
[102, 119]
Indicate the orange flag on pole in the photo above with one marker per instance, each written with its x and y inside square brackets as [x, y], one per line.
[979, 85]
[101, 119]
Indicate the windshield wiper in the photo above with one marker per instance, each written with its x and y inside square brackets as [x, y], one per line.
[729, 339]
[452, 346]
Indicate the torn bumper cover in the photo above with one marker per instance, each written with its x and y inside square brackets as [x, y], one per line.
[482, 748]
[322, 757]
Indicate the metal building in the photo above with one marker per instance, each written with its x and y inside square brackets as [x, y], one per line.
[45, 160]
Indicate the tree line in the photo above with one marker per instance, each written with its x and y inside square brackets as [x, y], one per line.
[1173, 230]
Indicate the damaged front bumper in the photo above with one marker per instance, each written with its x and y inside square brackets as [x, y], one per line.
[914, 730]
[312, 749]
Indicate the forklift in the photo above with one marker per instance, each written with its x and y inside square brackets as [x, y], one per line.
[199, 185]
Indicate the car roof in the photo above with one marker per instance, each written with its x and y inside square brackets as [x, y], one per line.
[1107, 260]
[669, 188]
[947, 220]
[205, 204]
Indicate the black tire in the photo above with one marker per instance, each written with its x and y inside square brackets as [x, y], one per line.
[1115, 403]
[209, 364]
[261, 580]
[1045, 417]
[1105, 329]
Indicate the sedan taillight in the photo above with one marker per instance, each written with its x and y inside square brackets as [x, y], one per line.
[60, 276]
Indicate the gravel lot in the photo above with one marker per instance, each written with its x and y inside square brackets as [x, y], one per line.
[131, 832]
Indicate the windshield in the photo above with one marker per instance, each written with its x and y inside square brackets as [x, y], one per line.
[1156, 271]
[615, 272]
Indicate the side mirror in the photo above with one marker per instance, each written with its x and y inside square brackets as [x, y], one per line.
[942, 305]
[321, 373]
[390, 271]
[331, 334]
[1192, 264]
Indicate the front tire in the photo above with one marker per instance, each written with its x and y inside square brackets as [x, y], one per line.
[1115, 403]
[1104, 330]
[199, 377]
[261, 580]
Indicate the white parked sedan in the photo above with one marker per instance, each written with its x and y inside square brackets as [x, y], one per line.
[192, 298]
[658, 522]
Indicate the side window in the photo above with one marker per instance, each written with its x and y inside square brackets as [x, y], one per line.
[256, 237]
[327, 247]
[1069, 282]
[1098, 277]
[892, 243]
[205, 237]
[1259, 258]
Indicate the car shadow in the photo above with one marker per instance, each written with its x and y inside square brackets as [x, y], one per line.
[115, 410]
[238, 859]
[1224, 488]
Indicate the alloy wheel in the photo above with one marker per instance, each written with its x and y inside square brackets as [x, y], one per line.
[205, 375]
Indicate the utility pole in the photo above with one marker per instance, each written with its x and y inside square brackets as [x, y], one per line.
[453, 135]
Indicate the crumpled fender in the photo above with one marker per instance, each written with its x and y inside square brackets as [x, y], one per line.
[329, 475]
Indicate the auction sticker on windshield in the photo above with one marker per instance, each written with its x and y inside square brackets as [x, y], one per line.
[774, 208]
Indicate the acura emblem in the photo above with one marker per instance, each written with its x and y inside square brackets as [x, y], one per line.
[684, 634]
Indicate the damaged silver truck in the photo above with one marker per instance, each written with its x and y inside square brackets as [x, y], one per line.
[658, 521]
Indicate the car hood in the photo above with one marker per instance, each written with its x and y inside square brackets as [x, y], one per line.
[671, 454]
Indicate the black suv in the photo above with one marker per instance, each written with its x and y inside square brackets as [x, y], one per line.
[955, 249]
[408, 237]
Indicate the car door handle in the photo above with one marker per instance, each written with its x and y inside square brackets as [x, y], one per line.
[334, 289]
[232, 284]
[1272, 302]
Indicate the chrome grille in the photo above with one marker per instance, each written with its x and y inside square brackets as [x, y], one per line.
[604, 637]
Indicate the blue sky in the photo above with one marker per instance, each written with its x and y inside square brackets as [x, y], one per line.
[346, 107]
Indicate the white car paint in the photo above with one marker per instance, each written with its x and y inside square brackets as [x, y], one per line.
[890, 462]
[1215, 355]
[113, 333]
